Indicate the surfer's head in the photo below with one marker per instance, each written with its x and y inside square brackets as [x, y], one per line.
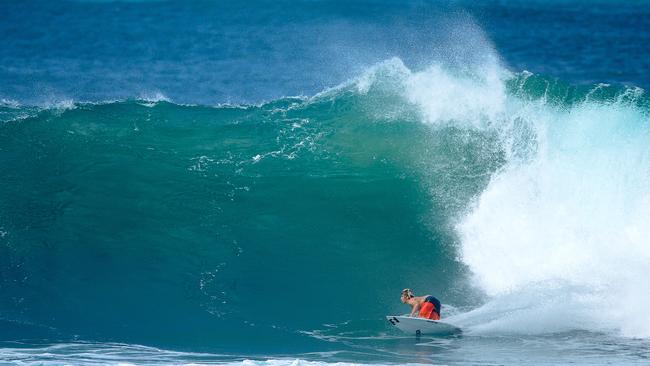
[406, 295]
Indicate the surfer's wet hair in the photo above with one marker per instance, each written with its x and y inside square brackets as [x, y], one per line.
[407, 293]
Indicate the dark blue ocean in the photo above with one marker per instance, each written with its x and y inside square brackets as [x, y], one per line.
[254, 183]
[212, 52]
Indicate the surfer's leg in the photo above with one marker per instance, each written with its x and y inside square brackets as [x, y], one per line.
[438, 306]
[434, 315]
[426, 309]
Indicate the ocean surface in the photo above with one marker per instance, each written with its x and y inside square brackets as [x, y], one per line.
[253, 184]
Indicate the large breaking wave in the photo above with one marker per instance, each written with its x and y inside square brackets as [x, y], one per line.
[520, 200]
[557, 239]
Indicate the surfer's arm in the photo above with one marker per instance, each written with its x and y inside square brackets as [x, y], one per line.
[415, 309]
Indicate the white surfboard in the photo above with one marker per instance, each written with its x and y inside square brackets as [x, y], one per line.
[421, 326]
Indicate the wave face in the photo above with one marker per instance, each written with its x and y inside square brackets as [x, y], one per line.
[519, 200]
[220, 221]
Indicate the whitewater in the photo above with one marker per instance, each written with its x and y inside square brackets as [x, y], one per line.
[557, 240]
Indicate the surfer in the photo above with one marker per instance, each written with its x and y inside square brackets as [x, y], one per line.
[428, 306]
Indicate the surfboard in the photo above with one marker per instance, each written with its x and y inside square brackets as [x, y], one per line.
[421, 326]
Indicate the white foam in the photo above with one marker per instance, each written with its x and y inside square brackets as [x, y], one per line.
[564, 233]
[9, 103]
[473, 98]
[57, 104]
[83, 353]
[153, 98]
[560, 237]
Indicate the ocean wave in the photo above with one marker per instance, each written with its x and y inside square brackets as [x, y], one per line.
[501, 182]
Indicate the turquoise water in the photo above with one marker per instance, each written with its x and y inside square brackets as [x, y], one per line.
[286, 229]
[161, 213]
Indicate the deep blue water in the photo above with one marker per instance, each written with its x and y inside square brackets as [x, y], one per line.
[213, 52]
[216, 182]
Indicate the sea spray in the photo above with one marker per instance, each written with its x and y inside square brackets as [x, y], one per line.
[557, 239]
[561, 224]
